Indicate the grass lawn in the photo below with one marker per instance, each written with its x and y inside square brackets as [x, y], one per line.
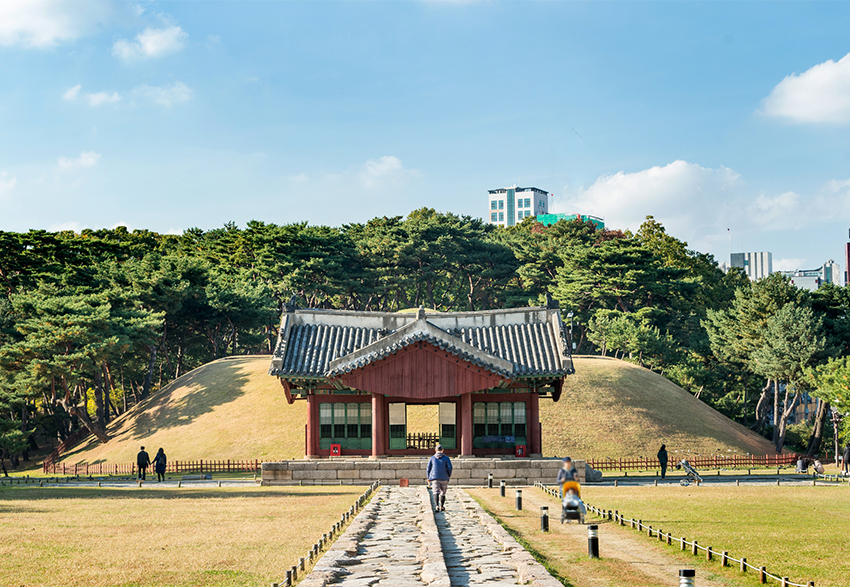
[800, 532]
[161, 537]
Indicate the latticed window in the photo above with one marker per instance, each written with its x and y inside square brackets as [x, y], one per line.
[366, 420]
[506, 419]
[479, 419]
[325, 421]
[519, 419]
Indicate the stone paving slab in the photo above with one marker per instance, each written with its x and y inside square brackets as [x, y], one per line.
[398, 540]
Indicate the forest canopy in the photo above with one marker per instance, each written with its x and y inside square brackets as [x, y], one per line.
[92, 322]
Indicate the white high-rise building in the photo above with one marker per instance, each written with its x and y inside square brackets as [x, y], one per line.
[755, 265]
[510, 206]
[814, 279]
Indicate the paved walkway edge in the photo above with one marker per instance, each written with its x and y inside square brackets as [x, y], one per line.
[529, 570]
[434, 571]
[343, 552]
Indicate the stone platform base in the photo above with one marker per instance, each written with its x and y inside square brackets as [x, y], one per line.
[362, 471]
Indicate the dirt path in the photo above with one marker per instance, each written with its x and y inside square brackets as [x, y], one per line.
[626, 558]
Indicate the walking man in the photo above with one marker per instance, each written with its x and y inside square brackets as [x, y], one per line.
[439, 472]
[143, 460]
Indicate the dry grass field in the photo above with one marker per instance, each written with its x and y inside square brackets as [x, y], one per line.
[227, 409]
[798, 532]
[60, 537]
[610, 408]
[232, 409]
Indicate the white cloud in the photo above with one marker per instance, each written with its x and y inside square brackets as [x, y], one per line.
[793, 211]
[151, 43]
[300, 178]
[45, 23]
[86, 159]
[818, 95]
[93, 99]
[72, 93]
[165, 95]
[386, 170]
[62, 226]
[686, 198]
[789, 264]
[99, 98]
[7, 185]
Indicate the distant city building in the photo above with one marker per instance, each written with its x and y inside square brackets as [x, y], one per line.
[847, 263]
[549, 219]
[510, 206]
[755, 265]
[814, 279]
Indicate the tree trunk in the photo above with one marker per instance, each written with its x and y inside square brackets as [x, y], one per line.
[70, 406]
[761, 407]
[776, 411]
[817, 432]
[783, 419]
[149, 376]
[99, 403]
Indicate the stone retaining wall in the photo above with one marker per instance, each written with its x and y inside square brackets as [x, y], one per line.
[466, 471]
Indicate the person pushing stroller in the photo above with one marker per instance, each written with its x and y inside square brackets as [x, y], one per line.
[572, 508]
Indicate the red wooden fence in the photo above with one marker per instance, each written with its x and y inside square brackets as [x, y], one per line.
[238, 466]
[698, 462]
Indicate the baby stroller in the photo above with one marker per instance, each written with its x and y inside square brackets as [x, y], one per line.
[572, 507]
[690, 473]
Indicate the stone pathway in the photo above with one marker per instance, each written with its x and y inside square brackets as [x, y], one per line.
[472, 554]
[398, 540]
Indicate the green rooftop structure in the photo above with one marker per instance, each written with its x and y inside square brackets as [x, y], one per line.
[550, 219]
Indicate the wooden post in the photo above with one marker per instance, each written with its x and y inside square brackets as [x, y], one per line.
[695, 548]
[379, 433]
[312, 432]
[466, 424]
[536, 440]
[724, 558]
[763, 575]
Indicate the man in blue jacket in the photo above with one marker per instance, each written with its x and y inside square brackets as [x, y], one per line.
[439, 472]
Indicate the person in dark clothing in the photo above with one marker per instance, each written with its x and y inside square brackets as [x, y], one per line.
[439, 471]
[845, 457]
[662, 458]
[567, 473]
[143, 460]
[159, 462]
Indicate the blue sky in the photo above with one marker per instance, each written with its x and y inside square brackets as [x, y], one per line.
[717, 118]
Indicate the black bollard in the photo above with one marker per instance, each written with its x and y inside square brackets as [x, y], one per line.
[519, 499]
[593, 541]
[490, 480]
[502, 488]
[687, 578]
[544, 519]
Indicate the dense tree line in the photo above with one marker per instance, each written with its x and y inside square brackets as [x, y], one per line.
[92, 322]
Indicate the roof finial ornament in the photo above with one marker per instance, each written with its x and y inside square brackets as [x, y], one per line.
[292, 304]
[552, 303]
[420, 313]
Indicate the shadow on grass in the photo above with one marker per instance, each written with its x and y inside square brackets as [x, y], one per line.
[53, 493]
[216, 385]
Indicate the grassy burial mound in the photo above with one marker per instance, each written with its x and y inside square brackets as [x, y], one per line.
[232, 409]
[611, 408]
[227, 409]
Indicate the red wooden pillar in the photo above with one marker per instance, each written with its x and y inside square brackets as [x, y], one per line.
[535, 438]
[312, 425]
[466, 424]
[379, 425]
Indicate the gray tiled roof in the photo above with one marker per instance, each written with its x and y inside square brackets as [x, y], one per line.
[396, 346]
[530, 347]
[312, 347]
[515, 343]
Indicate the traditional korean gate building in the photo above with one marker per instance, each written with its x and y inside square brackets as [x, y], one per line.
[358, 371]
